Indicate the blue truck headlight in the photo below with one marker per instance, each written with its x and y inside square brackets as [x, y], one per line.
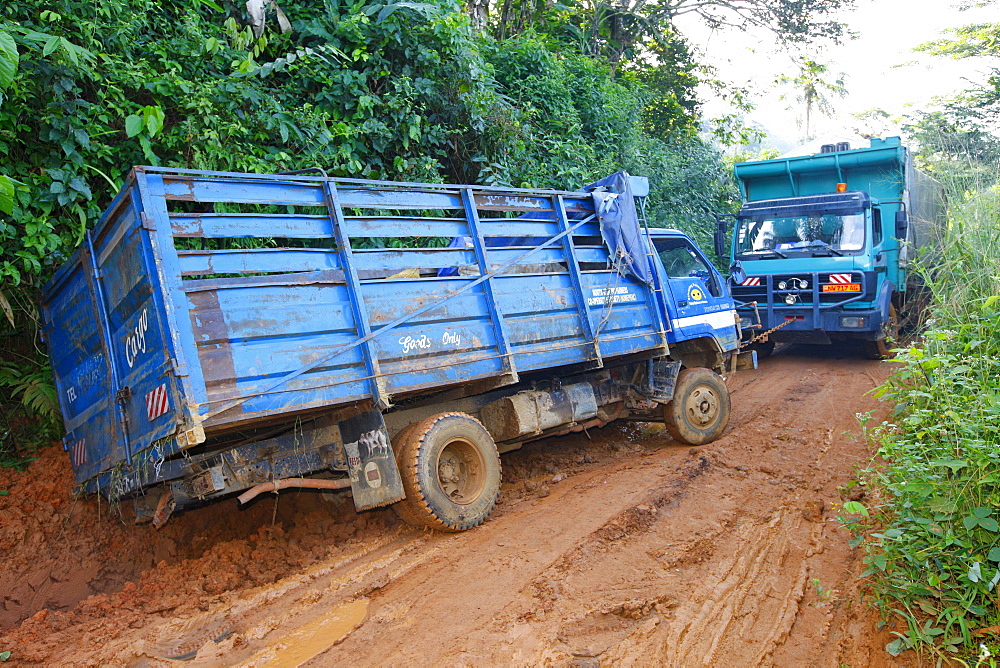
[852, 321]
[782, 285]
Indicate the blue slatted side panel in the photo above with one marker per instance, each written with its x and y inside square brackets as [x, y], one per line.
[256, 260]
[390, 226]
[186, 188]
[620, 308]
[250, 335]
[399, 198]
[385, 302]
[542, 320]
[241, 225]
[269, 334]
[398, 260]
[442, 346]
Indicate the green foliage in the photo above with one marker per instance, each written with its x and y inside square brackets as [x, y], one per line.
[8, 59]
[690, 186]
[670, 106]
[933, 545]
[980, 41]
[568, 120]
[957, 148]
[575, 122]
[392, 91]
[33, 420]
[99, 88]
[34, 388]
[937, 561]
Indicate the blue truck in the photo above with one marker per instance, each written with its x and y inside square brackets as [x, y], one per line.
[820, 249]
[224, 333]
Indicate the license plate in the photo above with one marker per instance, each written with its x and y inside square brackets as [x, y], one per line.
[841, 287]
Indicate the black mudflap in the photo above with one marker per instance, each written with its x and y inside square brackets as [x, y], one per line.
[375, 479]
[663, 379]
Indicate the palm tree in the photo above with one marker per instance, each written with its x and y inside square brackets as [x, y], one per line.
[814, 89]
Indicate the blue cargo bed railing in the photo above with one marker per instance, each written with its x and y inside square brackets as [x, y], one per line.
[232, 299]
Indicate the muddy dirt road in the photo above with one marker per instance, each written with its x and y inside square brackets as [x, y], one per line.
[627, 549]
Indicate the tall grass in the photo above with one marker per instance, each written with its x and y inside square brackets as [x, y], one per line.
[932, 540]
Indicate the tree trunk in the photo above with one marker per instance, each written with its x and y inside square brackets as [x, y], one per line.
[479, 12]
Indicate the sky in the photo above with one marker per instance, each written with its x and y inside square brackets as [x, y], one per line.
[882, 71]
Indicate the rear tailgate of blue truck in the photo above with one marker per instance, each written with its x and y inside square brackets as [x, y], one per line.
[111, 345]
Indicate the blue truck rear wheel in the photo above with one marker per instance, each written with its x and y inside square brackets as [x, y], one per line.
[451, 472]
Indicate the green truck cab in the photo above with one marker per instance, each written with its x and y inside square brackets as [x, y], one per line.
[821, 249]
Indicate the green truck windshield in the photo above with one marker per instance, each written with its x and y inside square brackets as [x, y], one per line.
[818, 234]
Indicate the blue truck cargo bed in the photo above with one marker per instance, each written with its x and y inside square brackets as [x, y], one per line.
[205, 304]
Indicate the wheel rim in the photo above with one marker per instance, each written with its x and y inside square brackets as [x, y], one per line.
[702, 406]
[461, 471]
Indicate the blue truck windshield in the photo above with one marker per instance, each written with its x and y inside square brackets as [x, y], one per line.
[680, 260]
[816, 234]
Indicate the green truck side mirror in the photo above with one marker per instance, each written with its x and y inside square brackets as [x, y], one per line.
[901, 223]
[721, 228]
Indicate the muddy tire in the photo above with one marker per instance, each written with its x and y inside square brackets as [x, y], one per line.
[699, 411]
[450, 470]
[881, 349]
[402, 508]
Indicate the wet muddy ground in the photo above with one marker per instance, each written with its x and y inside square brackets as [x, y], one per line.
[617, 547]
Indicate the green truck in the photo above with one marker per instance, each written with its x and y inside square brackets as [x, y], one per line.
[821, 249]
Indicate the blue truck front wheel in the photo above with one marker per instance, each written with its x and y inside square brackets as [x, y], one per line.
[699, 411]
[451, 472]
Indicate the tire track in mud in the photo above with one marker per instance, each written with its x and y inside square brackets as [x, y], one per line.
[757, 595]
[228, 632]
[505, 551]
[736, 584]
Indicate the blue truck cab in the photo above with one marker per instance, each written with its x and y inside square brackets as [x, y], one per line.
[221, 333]
[820, 249]
[701, 299]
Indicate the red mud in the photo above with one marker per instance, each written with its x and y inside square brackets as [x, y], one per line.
[626, 549]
